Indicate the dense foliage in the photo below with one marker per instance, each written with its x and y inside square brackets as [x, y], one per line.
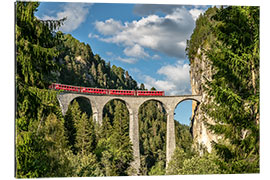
[232, 47]
[152, 130]
[79, 66]
[48, 144]
[235, 88]
[36, 154]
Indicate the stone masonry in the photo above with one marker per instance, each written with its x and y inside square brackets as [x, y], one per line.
[133, 104]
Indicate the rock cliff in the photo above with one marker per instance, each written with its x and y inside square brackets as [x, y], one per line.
[200, 70]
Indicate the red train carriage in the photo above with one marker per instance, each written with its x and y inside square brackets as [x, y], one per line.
[150, 93]
[122, 92]
[93, 90]
[105, 91]
[65, 87]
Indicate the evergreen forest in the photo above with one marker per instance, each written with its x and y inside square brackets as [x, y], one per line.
[48, 144]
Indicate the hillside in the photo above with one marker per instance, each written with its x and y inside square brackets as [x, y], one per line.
[80, 66]
[49, 144]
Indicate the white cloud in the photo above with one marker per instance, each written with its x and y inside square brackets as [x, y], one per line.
[76, 14]
[109, 27]
[109, 53]
[175, 81]
[90, 35]
[178, 72]
[156, 56]
[147, 9]
[166, 34]
[135, 51]
[126, 60]
[158, 84]
[195, 13]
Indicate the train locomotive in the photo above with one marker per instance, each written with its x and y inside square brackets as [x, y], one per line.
[89, 90]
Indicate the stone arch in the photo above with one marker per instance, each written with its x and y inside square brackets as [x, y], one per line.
[164, 109]
[195, 105]
[130, 111]
[186, 99]
[120, 99]
[84, 103]
[66, 98]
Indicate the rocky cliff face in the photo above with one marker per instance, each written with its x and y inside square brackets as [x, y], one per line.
[200, 71]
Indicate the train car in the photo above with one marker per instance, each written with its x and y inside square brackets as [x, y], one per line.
[94, 90]
[150, 93]
[65, 87]
[121, 92]
[104, 91]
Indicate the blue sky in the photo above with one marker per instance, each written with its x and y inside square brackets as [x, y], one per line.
[147, 40]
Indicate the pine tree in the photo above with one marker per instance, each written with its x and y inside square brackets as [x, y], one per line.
[56, 145]
[85, 135]
[152, 129]
[35, 51]
[114, 146]
[35, 46]
[72, 116]
[235, 88]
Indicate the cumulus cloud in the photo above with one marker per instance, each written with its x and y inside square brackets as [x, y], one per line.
[195, 13]
[156, 56]
[75, 12]
[90, 35]
[175, 81]
[126, 60]
[109, 27]
[166, 34]
[147, 9]
[135, 51]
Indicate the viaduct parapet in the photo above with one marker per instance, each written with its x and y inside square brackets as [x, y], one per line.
[133, 104]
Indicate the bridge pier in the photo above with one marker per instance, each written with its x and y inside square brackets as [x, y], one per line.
[134, 137]
[170, 145]
[97, 116]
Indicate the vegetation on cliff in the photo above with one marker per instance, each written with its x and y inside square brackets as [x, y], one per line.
[232, 47]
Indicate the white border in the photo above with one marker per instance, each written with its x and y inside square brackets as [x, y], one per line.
[7, 86]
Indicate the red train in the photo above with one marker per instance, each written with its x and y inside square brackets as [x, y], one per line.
[105, 91]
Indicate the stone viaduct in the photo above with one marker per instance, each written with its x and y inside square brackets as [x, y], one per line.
[133, 104]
